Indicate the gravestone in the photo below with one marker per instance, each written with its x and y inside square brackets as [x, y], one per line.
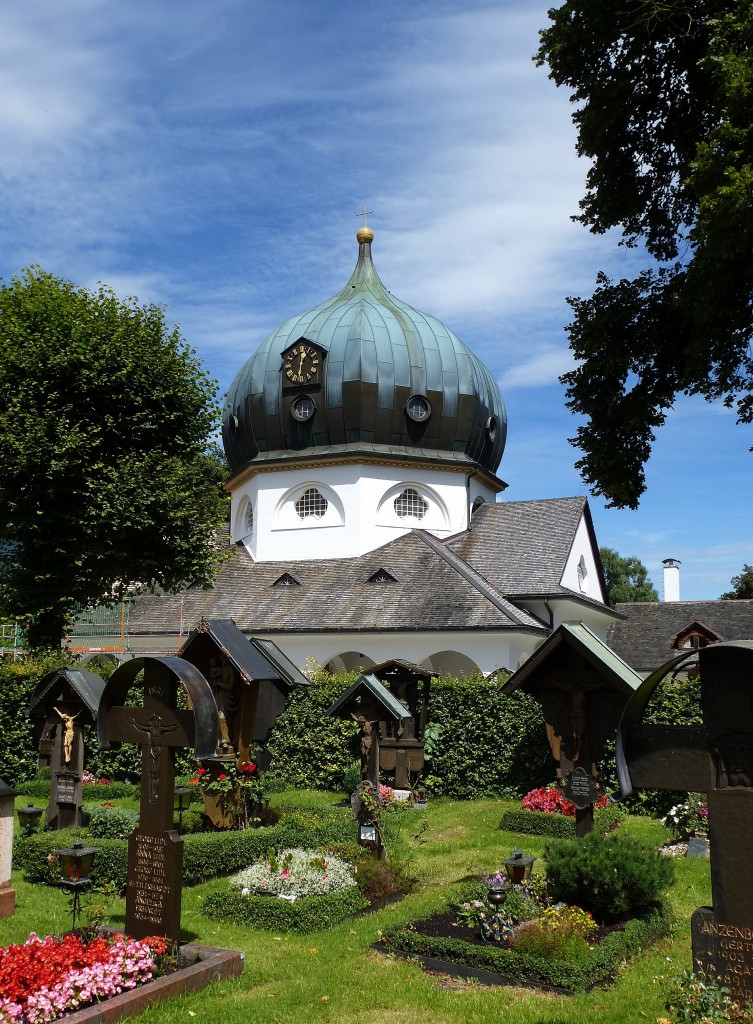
[155, 850]
[250, 679]
[7, 893]
[401, 744]
[715, 758]
[582, 687]
[64, 702]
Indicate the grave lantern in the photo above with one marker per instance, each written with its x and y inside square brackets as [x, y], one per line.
[75, 872]
[182, 800]
[518, 867]
[7, 895]
[28, 818]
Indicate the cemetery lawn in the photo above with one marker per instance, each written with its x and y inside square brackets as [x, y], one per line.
[334, 978]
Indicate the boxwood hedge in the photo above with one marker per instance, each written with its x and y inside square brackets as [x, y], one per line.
[557, 826]
[535, 968]
[308, 914]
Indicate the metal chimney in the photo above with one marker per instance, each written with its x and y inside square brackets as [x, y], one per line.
[671, 579]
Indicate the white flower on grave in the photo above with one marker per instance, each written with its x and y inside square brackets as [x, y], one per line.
[245, 890]
[305, 873]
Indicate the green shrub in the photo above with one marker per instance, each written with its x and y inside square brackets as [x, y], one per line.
[110, 822]
[557, 826]
[90, 792]
[352, 777]
[614, 877]
[309, 914]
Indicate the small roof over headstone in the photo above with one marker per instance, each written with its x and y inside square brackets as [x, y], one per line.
[6, 793]
[612, 671]
[87, 685]
[253, 657]
[368, 689]
[401, 667]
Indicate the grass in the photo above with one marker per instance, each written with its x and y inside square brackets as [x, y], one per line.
[332, 977]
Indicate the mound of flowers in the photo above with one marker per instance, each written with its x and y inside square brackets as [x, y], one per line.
[294, 890]
[550, 800]
[43, 979]
[294, 873]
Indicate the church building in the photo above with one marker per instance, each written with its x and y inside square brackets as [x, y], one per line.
[364, 441]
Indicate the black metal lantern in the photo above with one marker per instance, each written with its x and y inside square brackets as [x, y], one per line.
[182, 800]
[420, 797]
[28, 818]
[518, 866]
[75, 872]
[368, 836]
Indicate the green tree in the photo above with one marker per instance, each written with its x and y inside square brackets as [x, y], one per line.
[626, 578]
[664, 98]
[106, 476]
[742, 585]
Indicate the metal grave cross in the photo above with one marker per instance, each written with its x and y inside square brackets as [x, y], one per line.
[715, 758]
[155, 850]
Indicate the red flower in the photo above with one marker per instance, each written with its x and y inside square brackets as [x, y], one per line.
[248, 767]
[195, 779]
[222, 777]
[201, 771]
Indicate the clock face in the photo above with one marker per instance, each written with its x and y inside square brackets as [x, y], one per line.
[301, 363]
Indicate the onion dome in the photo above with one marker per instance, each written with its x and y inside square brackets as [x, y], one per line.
[364, 373]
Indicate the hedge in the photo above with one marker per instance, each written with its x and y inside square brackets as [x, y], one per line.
[308, 914]
[206, 855]
[535, 968]
[557, 826]
[90, 792]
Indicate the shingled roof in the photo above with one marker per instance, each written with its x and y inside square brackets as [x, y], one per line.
[432, 590]
[644, 637]
[522, 547]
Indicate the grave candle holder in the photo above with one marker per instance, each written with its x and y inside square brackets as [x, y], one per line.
[28, 818]
[182, 800]
[518, 867]
[75, 872]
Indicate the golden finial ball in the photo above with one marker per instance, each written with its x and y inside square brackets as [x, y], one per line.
[364, 234]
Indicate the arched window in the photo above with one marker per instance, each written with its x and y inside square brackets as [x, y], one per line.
[582, 574]
[249, 519]
[410, 504]
[311, 503]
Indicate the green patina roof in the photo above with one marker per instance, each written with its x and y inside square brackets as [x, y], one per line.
[377, 352]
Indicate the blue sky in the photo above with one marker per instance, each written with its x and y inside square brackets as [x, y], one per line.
[213, 157]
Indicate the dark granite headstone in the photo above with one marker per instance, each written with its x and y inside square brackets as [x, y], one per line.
[155, 850]
[580, 788]
[716, 758]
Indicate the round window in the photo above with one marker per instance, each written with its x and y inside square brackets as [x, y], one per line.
[491, 428]
[418, 409]
[303, 408]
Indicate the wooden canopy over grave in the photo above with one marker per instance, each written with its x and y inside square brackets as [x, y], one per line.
[155, 850]
[401, 744]
[63, 703]
[582, 687]
[714, 758]
[250, 678]
[368, 702]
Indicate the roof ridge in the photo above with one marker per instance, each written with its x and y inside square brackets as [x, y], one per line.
[476, 580]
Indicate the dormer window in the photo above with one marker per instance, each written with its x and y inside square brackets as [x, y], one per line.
[287, 580]
[311, 503]
[410, 504]
[694, 637]
[382, 576]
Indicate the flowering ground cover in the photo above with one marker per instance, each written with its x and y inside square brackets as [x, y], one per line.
[550, 800]
[43, 979]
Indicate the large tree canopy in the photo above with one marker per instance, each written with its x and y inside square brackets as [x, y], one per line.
[664, 95]
[626, 578]
[106, 478]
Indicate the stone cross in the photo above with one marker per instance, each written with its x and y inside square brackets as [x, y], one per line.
[715, 758]
[155, 850]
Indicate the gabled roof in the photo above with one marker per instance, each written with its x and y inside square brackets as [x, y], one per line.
[88, 685]
[644, 638]
[574, 634]
[252, 657]
[335, 595]
[370, 686]
[522, 547]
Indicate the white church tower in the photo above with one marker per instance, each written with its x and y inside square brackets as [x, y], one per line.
[356, 422]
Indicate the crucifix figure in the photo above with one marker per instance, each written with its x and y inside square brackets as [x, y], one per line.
[155, 730]
[155, 850]
[68, 734]
[715, 758]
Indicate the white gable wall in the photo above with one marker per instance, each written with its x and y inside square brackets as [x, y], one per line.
[582, 554]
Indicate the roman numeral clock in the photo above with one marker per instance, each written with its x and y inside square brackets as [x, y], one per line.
[301, 363]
